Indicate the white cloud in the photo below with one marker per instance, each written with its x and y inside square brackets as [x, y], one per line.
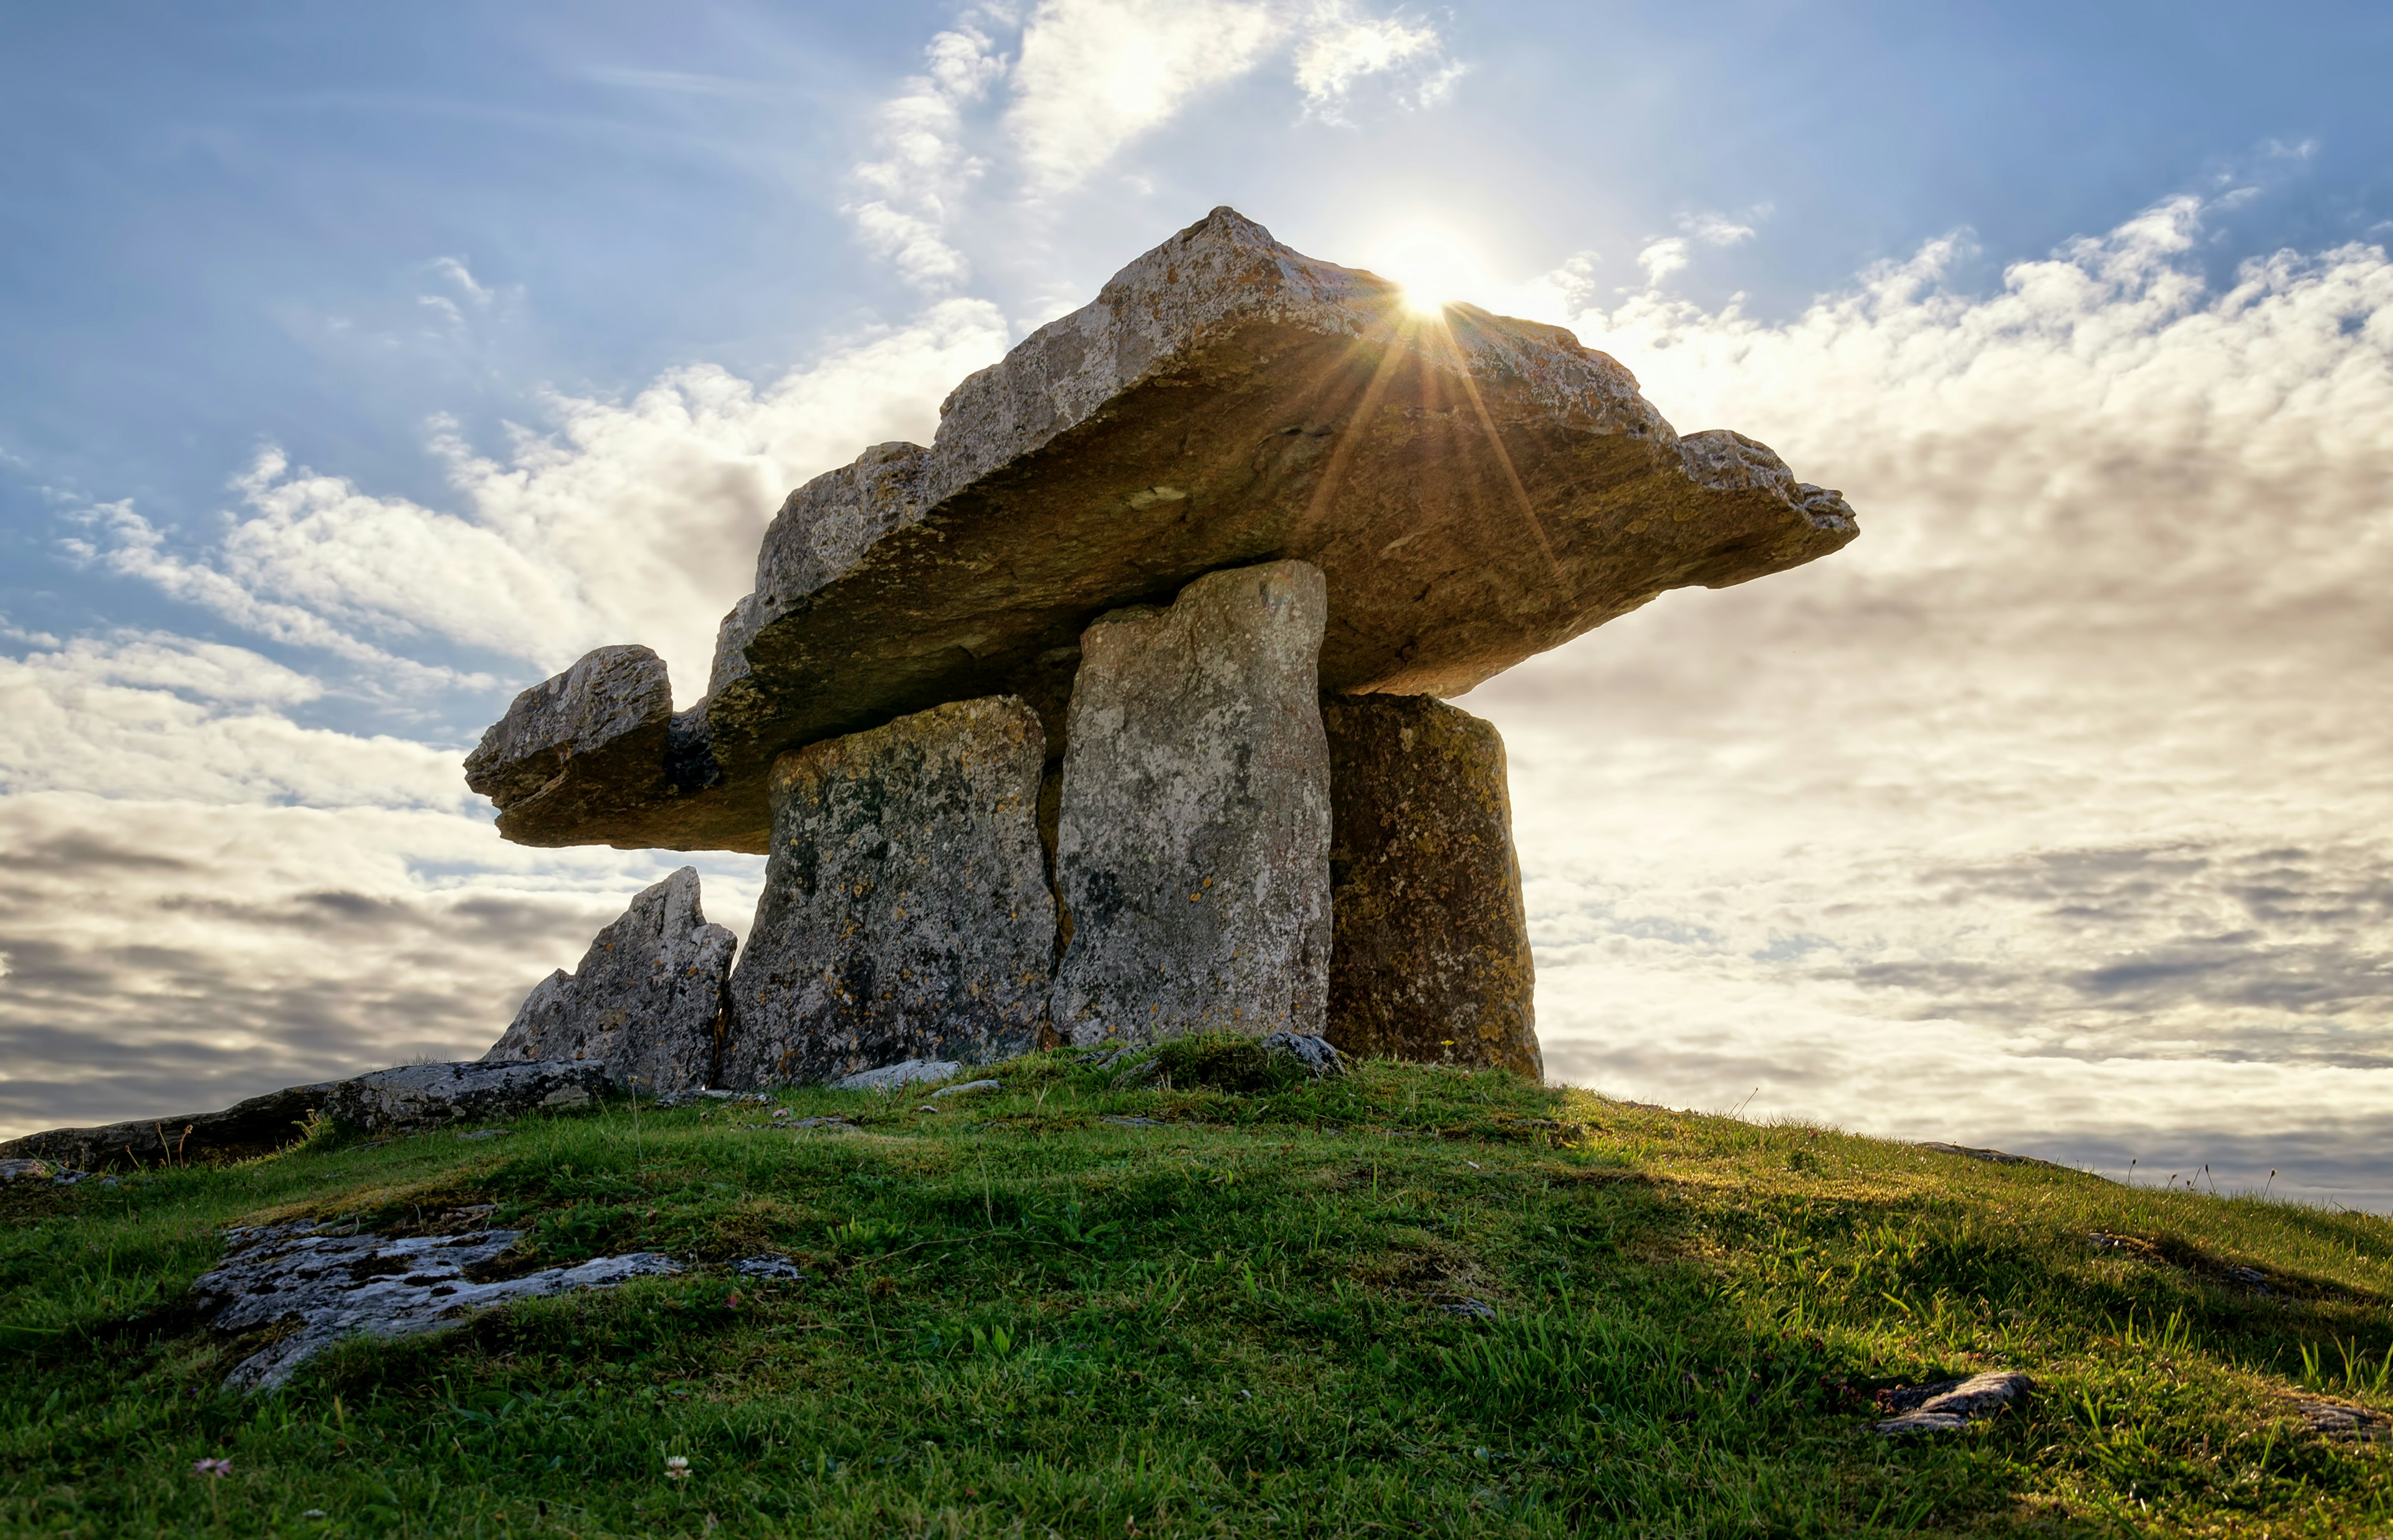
[1719, 229]
[454, 270]
[2052, 810]
[1664, 257]
[629, 522]
[1339, 47]
[922, 167]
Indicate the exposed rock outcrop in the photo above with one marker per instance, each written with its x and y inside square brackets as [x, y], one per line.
[339, 1283]
[1476, 488]
[1192, 842]
[256, 1127]
[906, 912]
[645, 1002]
[1429, 956]
[426, 1096]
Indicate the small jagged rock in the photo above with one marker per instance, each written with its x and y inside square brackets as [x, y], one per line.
[1193, 836]
[906, 911]
[422, 1096]
[336, 1284]
[1476, 489]
[25, 1170]
[970, 1087]
[1429, 956]
[772, 1267]
[645, 1005]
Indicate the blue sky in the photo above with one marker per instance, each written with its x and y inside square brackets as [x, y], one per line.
[366, 365]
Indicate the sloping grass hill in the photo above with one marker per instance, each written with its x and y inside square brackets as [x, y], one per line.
[1220, 1304]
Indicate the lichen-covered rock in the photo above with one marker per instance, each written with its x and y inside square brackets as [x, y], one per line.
[1476, 488]
[331, 1284]
[645, 1002]
[1428, 957]
[1192, 838]
[906, 912]
[608, 717]
[905, 1072]
[420, 1096]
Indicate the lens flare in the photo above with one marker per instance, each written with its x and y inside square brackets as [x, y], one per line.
[1434, 268]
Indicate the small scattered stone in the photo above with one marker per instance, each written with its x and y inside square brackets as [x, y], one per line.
[342, 1283]
[1464, 1305]
[770, 1267]
[2342, 1421]
[908, 1072]
[1315, 1053]
[487, 1133]
[1135, 1122]
[970, 1087]
[1951, 1404]
[23, 1170]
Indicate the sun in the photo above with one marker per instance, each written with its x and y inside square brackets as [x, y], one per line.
[1436, 269]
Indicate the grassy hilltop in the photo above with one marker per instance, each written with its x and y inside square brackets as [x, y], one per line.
[1022, 1319]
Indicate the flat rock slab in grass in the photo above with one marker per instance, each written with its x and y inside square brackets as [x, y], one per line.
[1477, 489]
[908, 1072]
[2342, 1421]
[335, 1284]
[1952, 1405]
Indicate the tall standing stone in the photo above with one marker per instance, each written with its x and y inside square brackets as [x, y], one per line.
[1192, 835]
[646, 1002]
[906, 912]
[1429, 959]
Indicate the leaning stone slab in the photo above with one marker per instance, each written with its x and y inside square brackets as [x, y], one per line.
[608, 717]
[1193, 837]
[421, 1096]
[906, 912]
[333, 1285]
[1429, 956]
[1476, 488]
[644, 1004]
[1954, 1405]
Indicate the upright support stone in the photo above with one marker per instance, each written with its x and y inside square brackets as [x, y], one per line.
[906, 912]
[646, 1003]
[1192, 835]
[1430, 954]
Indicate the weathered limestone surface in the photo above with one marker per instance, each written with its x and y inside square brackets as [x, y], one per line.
[646, 1001]
[1193, 842]
[419, 1096]
[906, 912]
[1429, 959]
[1475, 489]
[336, 1284]
[608, 717]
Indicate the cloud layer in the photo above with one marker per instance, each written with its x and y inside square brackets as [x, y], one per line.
[2053, 809]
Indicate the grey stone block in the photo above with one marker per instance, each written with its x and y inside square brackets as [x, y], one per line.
[906, 912]
[1429, 959]
[1192, 838]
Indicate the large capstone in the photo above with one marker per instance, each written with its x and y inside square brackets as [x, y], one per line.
[646, 1005]
[1429, 956]
[1192, 838]
[906, 912]
[1475, 489]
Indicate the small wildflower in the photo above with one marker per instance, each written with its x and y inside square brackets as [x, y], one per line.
[212, 1468]
[676, 1467]
[731, 1301]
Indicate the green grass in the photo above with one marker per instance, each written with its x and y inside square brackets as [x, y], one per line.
[1023, 1319]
